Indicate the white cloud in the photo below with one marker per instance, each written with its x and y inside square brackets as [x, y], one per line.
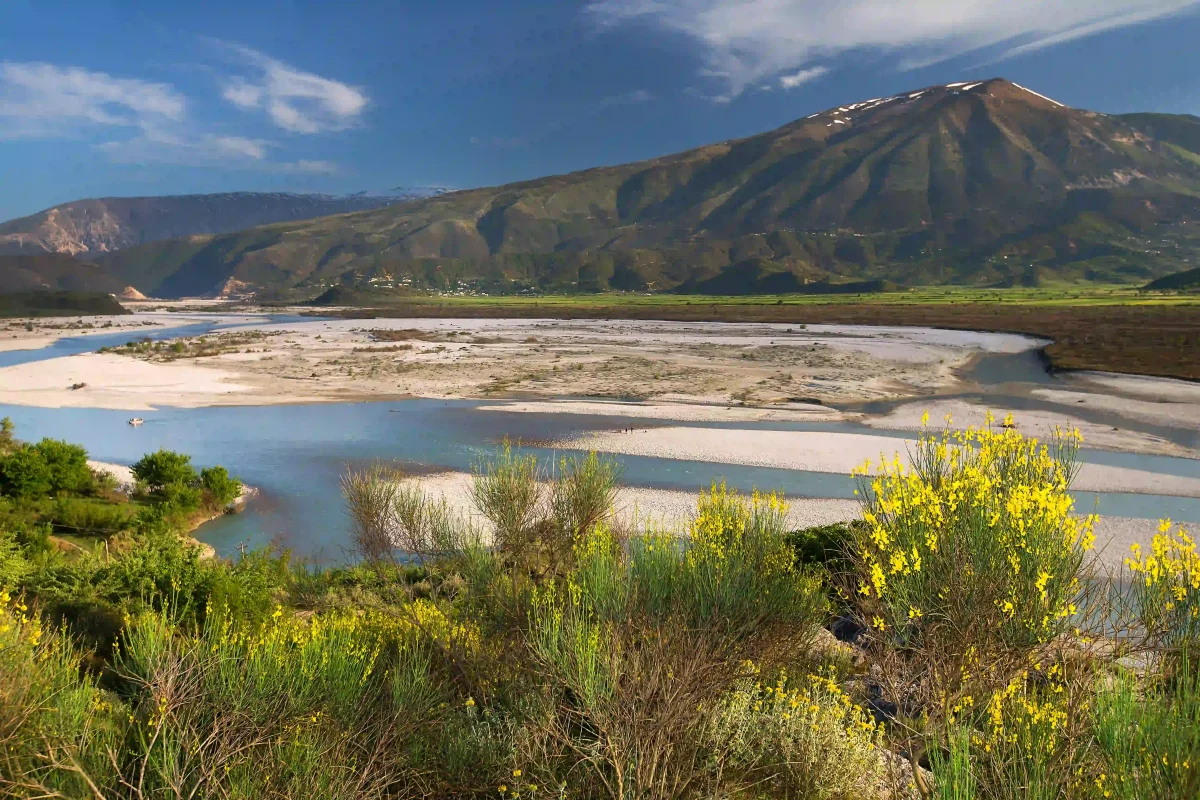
[45, 100]
[749, 41]
[633, 98]
[501, 142]
[156, 145]
[802, 77]
[311, 167]
[297, 101]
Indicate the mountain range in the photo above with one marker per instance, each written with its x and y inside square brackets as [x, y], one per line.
[92, 227]
[981, 183]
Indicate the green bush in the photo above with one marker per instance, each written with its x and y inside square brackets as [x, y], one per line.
[164, 468]
[90, 517]
[7, 442]
[219, 487]
[828, 546]
[1148, 733]
[24, 474]
[67, 464]
[181, 498]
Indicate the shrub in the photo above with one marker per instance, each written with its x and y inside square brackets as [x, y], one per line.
[56, 726]
[67, 465]
[976, 548]
[370, 496]
[979, 534]
[25, 474]
[582, 494]
[163, 468]
[735, 572]
[218, 486]
[7, 442]
[1148, 732]
[1165, 585]
[805, 739]
[89, 517]
[182, 498]
[508, 493]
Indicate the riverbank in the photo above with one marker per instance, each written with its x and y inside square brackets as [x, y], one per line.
[126, 482]
[770, 366]
[1114, 331]
[829, 452]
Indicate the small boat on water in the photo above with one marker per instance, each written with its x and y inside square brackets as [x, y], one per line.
[136, 421]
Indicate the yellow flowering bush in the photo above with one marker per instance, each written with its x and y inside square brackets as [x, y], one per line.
[804, 737]
[46, 703]
[979, 531]
[1166, 586]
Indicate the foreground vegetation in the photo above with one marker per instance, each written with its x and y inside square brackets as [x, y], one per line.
[552, 655]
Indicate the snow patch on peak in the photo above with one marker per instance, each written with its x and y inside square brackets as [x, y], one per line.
[1032, 92]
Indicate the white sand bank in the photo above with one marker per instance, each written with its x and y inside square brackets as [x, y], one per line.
[1040, 424]
[683, 412]
[113, 381]
[1178, 411]
[821, 451]
[637, 507]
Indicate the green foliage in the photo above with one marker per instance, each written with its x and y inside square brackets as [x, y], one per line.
[1148, 732]
[219, 486]
[163, 468]
[507, 492]
[67, 465]
[91, 517]
[828, 546]
[806, 737]
[652, 666]
[24, 474]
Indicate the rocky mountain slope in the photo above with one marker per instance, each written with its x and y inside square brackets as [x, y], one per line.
[982, 183]
[91, 227]
[55, 272]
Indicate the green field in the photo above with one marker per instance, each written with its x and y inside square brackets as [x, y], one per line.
[1066, 295]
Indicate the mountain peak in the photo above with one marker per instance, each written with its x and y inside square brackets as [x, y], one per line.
[999, 89]
[980, 181]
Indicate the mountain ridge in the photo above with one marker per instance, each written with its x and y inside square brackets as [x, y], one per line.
[982, 182]
[104, 224]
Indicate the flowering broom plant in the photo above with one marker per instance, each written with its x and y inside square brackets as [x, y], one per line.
[977, 533]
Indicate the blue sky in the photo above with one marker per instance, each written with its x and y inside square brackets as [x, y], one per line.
[126, 98]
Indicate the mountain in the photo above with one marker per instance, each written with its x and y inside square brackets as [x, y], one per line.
[1186, 281]
[91, 227]
[984, 183]
[59, 304]
[55, 272]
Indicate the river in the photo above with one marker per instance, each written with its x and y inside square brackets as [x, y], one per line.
[294, 454]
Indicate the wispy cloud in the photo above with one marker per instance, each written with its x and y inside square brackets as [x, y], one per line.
[749, 42]
[145, 122]
[501, 142]
[632, 98]
[296, 101]
[802, 77]
[45, 101]
[154, 145]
